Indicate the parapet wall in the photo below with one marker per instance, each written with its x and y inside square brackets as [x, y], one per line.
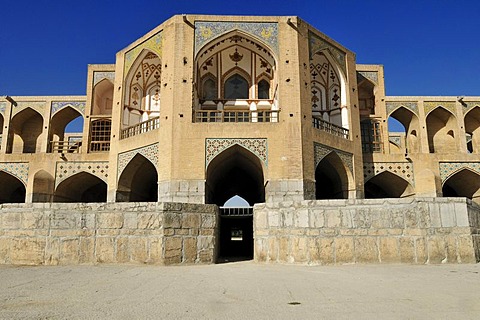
[413, 230]
[75, 233]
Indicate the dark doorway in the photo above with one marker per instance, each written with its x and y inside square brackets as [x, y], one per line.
[235, 173]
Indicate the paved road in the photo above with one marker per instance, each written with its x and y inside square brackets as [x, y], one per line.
[242, 290]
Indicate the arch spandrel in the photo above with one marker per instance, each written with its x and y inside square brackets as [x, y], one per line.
[99, 76]
[265, 32]
[392, 106]
[16, 169]
[150, 152]
[403, 170]
[60, 105]
[153, 44]
[449, 169]
[430, 106]
[317, 44]
[65, 170]
[215, 146]
[321, 151]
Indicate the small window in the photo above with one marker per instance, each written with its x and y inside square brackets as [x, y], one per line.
[209, 90]
[263, 90]
[236, 87]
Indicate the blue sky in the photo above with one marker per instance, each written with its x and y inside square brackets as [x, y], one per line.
[427, 47]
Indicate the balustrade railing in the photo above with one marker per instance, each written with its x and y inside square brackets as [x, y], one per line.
[69, 146]
[331, 128]
[139, 128]
[235, 116]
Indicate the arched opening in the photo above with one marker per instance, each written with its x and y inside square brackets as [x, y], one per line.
[102, 98]
[406, 122]
[472, 128]
[12, 190]
[43, 187]
[81, 187]
[328, 95]
[441, 128]
[331, 178]
[25, 128]
[142, 89]
[464, 183]
[387, 185]
[138, 181]
[59, 139]
[234, 72]
[366, 96]
[1, 130]
[236, 171]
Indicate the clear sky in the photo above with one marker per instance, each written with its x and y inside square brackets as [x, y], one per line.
[427, 47]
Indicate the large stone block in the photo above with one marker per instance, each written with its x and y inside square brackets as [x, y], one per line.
[327, 255]
[189, 249]
[407, 249]
[138, 249]
[69, 251]
[190, 220]
[156, 250]
[299, 249]
[366, 250]
[28, 251]
[105, 249]
[11, 220]
[466, 249]
[389, 250]
[110, 220]
[436, 249]
[344, 250]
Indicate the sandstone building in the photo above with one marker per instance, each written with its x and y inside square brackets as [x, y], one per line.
[203, 108]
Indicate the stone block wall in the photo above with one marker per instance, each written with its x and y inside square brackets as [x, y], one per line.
[75, 233]
[413, 230]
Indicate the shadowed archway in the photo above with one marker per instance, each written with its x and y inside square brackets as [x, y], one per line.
[138, 181]
[387, 185]
[81, 187]
[464, 183]
[12, 190]
[331, 178]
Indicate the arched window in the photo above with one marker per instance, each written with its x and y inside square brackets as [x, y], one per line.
[236, 87]
[209, 89]
[263, 90]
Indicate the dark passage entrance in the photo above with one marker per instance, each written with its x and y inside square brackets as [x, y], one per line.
[236, 234]
[235, 173]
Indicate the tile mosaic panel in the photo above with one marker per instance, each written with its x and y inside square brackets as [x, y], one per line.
[215, 146]
[321, 151]
[401, 169]
[205, 31]
[316, 44]
[395, 139]
[430, 105]
[78, 105]
[66, 169]
[448, 169]
[100, 75]
[3, 105]
[154, 44]
[393, 105]
[466, 107]
[150, 152]
[35, 105]
[17, 169]
[370, 75]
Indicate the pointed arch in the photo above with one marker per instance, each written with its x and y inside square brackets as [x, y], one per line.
[102, 103]
[138, 181]
[58, 124]
[472, 128]
[235, 171]
[25, 128]
[81, 187]
[463, 183]
[411, 124]
[332, 178]
[12, 189]
[43, 187]
[144, 74]
[388, 185]
[366, 96]
[441, 130]
[329, 78]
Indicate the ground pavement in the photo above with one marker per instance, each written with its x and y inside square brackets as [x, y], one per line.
[240, 290]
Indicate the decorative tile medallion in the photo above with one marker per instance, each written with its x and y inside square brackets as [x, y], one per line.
[3, 105]
[17, 169]
[401, 169]
[150, 152]
[154, 44]
[431, 105]
[77, 105]
[466, 107]
[317, 44]
[370, 75]
[215, 146]
[205, 31]
[100, 75]
[67, 169]
[448, 169]
[35, 105]
[393, 105]
[321, 151]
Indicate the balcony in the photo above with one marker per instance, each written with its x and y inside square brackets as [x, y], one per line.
[139, 128]
[331, 128]
[72, 145]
